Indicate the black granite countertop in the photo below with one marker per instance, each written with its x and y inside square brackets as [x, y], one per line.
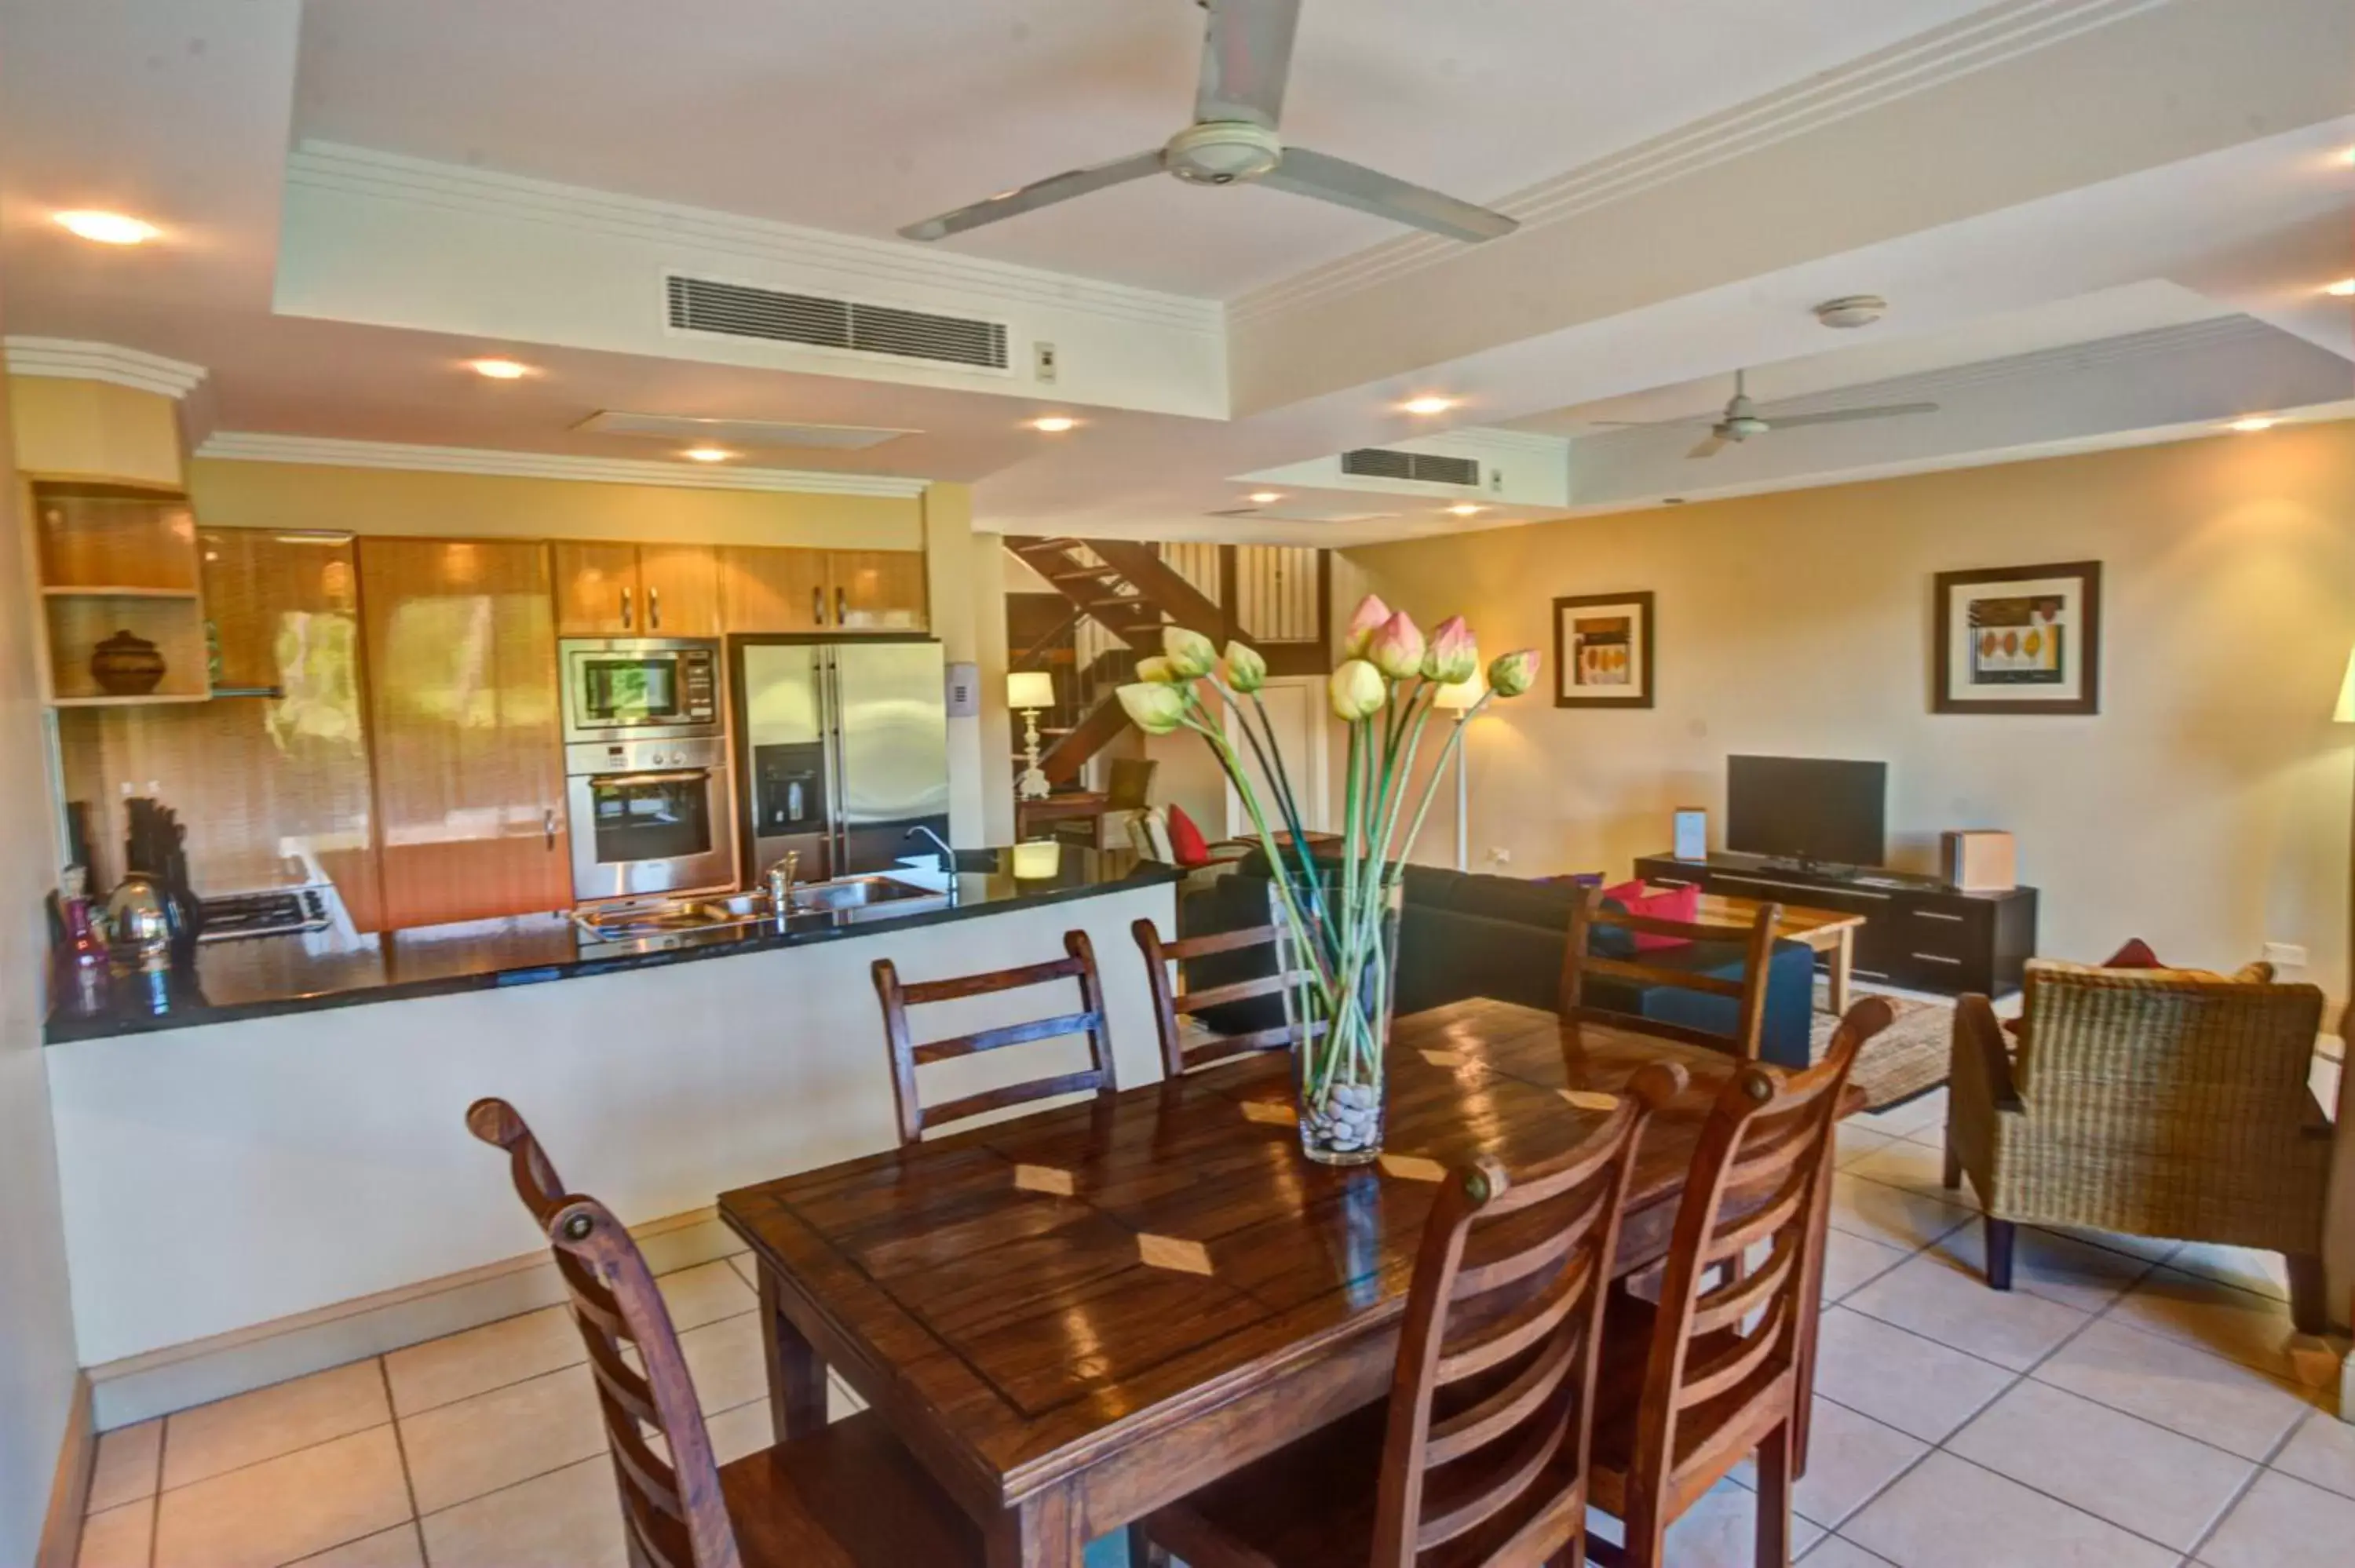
[259, 977]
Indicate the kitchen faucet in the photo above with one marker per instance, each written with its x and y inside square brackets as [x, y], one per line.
[948, 855]
[781, 878]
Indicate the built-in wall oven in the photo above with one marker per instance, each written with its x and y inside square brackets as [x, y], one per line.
[645, 766]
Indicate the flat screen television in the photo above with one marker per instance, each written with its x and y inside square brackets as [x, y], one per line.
[1806, 809]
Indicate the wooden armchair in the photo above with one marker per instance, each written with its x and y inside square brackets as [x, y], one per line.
[1755, 943]
[2151, 1102]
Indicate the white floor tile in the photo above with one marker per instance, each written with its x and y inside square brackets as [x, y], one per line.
[727, 1361]
[2056, 1268]
[1850, 1261]
[1891, 1216]
[1849, 1458]
[1722, 1530]
[1940, 1302]
[2179, 1385]
[570, 1517]
[2252, 1329]
[1946, 1513]
[705, 1294]
[2261, 1273]
[123, 1536]
[2284, 1524]
[2323, 1452]
[1852, 1142]
[493, 1440]
[284, 1508]
[1922, 1111]
[230, 1433]
[1920, 1387]
[2128, 1472]
[129, 1459]
[1832, 1552]
[459, 1366]
[1902, 1162]
[399, 1547]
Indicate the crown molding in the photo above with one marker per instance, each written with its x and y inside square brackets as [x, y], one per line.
[696, 232]
[1916, 65]
[71, 359]
[253, 446]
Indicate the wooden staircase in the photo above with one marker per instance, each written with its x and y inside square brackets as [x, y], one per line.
[1128, 589]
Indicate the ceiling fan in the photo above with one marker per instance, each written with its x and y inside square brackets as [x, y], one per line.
[1234, 141]
[1741, 419]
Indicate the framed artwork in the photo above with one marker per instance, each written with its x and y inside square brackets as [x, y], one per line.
[1603, 651]
[2019, 640]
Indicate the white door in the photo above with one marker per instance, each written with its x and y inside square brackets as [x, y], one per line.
[1296, 716]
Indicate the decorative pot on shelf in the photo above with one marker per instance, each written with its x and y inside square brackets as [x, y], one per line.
[126, 665]
[1337, 915]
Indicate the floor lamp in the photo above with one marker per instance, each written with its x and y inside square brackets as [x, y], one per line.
[1459, 698]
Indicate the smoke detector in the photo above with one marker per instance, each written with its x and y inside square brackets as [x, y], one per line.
[1852, 310]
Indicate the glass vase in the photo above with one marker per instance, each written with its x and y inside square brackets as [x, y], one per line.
[1341, 1032]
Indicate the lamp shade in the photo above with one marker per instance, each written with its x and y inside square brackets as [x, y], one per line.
[1029, 689]
[1457, 695]
[2344, 712]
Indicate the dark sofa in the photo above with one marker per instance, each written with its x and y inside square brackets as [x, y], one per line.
[1501, 936]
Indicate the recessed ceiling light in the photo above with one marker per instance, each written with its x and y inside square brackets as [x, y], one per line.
[1852, 310]
[108, 228]
[708, 454]
[2343, 289]
[1428, 405]
[499, 369]
[1465, 509]
[1055, 424]
[1263, 497]
[2254, 423]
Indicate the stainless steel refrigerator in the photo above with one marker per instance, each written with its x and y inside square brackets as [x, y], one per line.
[841, 749]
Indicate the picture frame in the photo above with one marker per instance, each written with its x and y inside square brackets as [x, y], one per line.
[1603, 651]
[2019, 640]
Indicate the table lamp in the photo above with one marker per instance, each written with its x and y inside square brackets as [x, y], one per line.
[1460, 697]
[1027, 690]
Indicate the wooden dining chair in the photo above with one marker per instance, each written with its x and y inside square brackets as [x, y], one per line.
[1580, 962]
[1723, 1363]
[1480, 1454]
[1188, 1040]
[848, 1495]
[1079, 963]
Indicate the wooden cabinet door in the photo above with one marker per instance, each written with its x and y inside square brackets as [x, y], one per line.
[877, 591]
[773, 588]
[597, 592]
[463, 709]
[681, 583]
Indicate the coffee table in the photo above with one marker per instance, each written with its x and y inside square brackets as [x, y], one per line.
[1828, 931]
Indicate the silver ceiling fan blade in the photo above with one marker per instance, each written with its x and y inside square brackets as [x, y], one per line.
[1030, 197]
[1843, 416]
[1246, 57]
[1710, 447]
[1344, 184]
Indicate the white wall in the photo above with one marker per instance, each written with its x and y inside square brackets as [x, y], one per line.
[36, 1337]
[223, 1177]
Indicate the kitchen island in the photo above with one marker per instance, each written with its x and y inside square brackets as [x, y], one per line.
[273, 1173]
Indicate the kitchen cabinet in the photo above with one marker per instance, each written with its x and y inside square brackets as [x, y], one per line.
[460, 649]
[784, 589]
[637, 590]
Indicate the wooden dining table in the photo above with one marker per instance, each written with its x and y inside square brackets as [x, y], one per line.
[1079, 1315]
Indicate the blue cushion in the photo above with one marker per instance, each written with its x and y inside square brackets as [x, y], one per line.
[1785, 1034]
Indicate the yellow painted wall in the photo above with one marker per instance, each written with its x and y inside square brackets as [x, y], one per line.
[240, 495]
[2206, 809]
[66, 426]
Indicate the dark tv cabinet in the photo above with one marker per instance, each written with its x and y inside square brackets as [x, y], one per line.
[1918, 933]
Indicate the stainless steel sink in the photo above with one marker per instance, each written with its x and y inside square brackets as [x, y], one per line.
[858, 892]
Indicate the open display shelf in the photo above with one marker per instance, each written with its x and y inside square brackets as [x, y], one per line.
[118, 558]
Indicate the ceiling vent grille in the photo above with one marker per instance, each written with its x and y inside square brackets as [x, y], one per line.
[698, 305]
[1377, 463]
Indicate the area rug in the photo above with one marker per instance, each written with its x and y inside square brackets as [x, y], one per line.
[1905, 1059]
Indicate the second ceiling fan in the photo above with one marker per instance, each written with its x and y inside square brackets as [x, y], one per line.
[1246, 58]
[1741, 419]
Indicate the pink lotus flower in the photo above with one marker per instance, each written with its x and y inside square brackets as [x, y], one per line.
[1370, 614]
[1453, 655]
[1397, 648]
[1515, 672]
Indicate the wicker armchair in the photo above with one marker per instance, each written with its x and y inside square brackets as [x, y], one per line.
[2152, 1102]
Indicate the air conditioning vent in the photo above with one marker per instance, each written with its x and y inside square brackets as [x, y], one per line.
[698, 305]
[1376, 462]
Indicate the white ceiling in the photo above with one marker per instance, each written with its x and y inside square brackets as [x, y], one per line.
[2018, 176]
[863, 117]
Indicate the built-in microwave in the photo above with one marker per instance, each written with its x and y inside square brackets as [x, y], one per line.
[639, 688]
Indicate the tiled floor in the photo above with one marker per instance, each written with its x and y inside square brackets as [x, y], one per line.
[2130, 1403]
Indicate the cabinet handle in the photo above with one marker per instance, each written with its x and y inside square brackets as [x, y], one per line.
[547, 825]
[625, 609]
[817, 607]
[841, 607]
[1936, 915]
[653, 609]
[1938, 958]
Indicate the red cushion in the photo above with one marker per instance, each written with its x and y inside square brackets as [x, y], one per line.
[1659, 904]
[1188, 847]
[2135, 955]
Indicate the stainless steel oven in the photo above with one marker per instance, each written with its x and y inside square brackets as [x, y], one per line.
[649, 816]
[639, 688]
